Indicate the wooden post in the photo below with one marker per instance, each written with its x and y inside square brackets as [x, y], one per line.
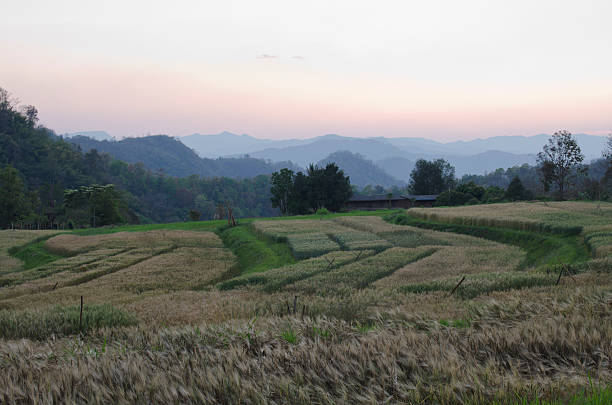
[559, 278]
[294, 304]
[81, 315]
[457, 286]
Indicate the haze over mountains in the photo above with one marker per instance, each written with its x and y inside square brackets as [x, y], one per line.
[391, 154]
[380, 160]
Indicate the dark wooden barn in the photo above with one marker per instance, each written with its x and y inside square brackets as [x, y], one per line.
[386, 201]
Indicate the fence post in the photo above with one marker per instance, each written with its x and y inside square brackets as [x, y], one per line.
[81, 315]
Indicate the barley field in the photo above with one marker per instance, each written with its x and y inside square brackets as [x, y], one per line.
[388, 307]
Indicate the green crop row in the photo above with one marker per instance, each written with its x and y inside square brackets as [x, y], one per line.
[308, 245]
[361, 273]
[275, 279]
[360, 240]
[478, 284]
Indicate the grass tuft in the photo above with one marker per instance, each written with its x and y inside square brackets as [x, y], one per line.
[41, 325]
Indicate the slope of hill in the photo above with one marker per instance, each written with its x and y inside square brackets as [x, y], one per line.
[398, 167]
[304, 154]
[228, 144]
[97, 135]
[174, 158]
[360, 170]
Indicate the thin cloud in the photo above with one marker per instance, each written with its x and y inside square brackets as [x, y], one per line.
[266, 56]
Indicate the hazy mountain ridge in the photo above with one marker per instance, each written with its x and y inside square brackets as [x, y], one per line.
[475, 157]
[377, 160]
[174, 158]
[360, 170]
[97, 135]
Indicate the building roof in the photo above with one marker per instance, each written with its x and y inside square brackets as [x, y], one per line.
[394, 197]
[423, 197]
[377, 197]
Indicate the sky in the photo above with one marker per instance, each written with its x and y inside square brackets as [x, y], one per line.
[444, 70]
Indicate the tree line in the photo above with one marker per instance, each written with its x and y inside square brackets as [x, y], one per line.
[302, 193]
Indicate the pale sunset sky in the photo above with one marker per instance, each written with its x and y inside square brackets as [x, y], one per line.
[444, 70]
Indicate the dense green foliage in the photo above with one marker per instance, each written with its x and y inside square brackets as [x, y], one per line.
[432, 177]
[15, 201]
[43, 165]
[321, 187]
[559, 162]
[101, 204]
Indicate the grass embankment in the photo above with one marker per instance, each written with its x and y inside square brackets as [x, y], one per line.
[254, 254]
[543, 250]
[34, 254]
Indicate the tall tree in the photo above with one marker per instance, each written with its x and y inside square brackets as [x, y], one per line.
[607, 155]
[607, 152]
[432, 177]
[516, 191]
[13, 200]
[282, 182]
[559, 162]
[337, 188]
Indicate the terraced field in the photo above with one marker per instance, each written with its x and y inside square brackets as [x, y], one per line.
[443, 306]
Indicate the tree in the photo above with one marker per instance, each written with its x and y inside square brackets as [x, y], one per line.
[322, 187]
[473, 189]
[298, 202]
[559, 161]
[327, 187]
[452, 197]
[13, 200]
[101, 201]
[432, 177]
[607, 152]
[281, 189]
[516, 191]
[607, 155]
[194, 215]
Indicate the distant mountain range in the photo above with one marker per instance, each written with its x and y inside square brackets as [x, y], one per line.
[382, 161]
[395, 155]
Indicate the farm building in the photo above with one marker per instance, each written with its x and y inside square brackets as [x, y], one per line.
[382, 201]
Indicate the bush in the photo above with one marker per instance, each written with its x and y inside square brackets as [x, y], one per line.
[452, 198]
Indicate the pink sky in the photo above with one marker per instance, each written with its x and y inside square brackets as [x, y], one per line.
[436, 70]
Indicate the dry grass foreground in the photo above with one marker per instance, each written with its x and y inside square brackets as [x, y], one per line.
[122, 269]
[521, 344]
[379, 325]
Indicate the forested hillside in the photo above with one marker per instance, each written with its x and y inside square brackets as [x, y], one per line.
[46, 165]
[167, 154]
